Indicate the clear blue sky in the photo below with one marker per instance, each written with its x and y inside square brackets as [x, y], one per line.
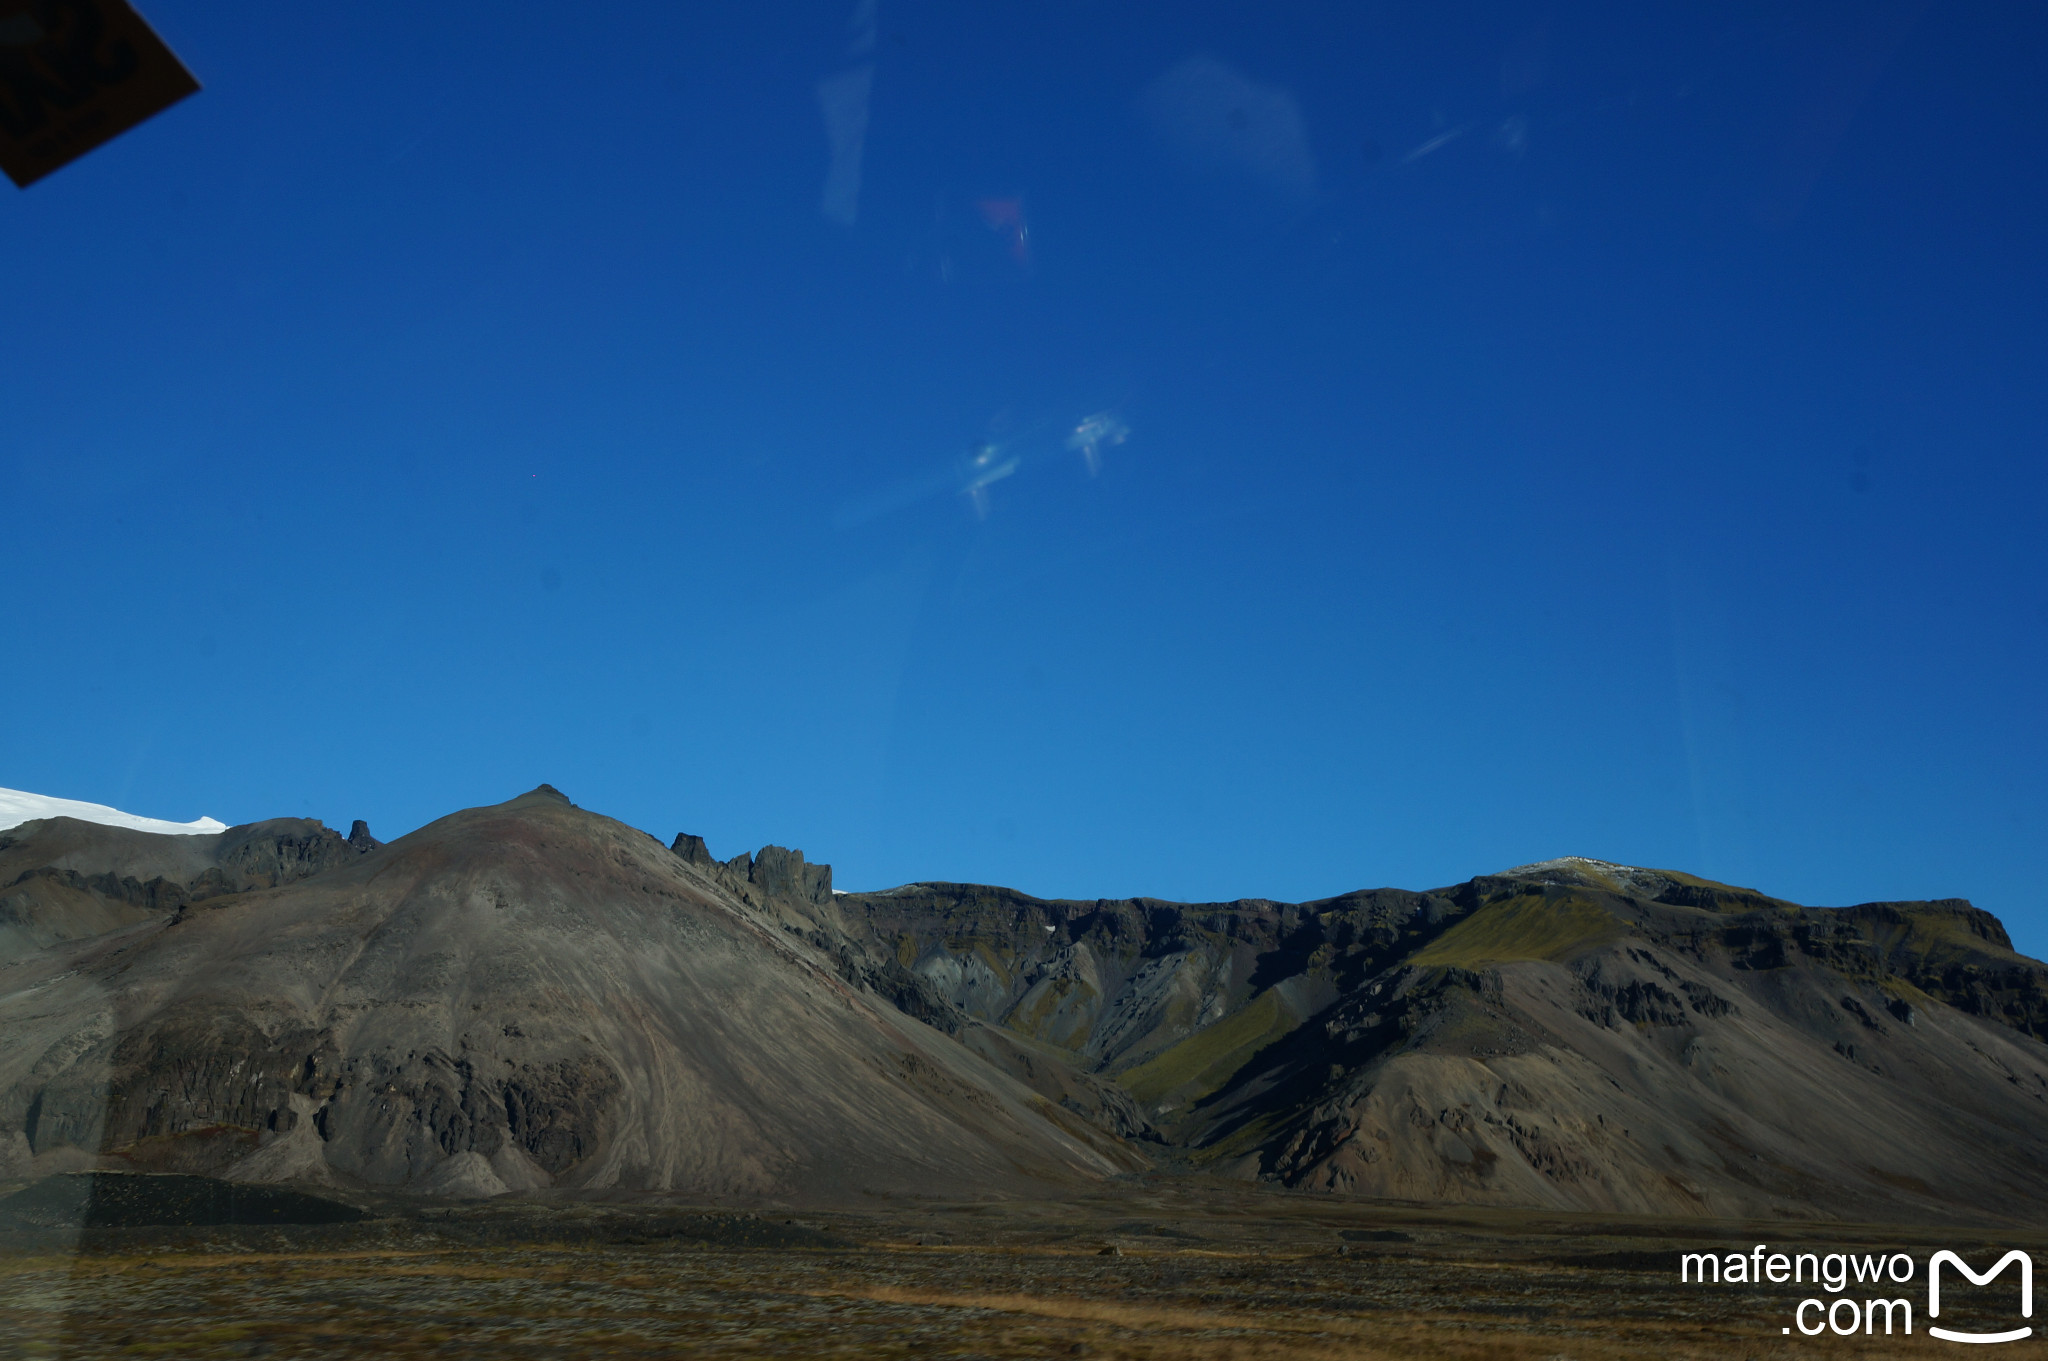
[1586, 429]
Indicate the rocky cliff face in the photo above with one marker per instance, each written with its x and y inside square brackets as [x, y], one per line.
[1572, 1034]
[62, 879]
[530, 996]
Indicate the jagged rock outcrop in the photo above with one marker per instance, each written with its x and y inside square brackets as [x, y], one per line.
[134, 1200]
[63, 879]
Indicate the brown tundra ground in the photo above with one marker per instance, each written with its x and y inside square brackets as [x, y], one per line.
[1166, 1273]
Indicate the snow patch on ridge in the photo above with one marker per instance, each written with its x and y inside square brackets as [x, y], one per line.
[1574, 862]
[1601, 873]
[17, 807]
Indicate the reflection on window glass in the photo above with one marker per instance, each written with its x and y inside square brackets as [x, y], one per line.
[1402, 644]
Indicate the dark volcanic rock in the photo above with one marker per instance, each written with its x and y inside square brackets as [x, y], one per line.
[140, 1200]
[360, 838]
[280, 851]
[63, 879]
[781, 873]
[692, 849]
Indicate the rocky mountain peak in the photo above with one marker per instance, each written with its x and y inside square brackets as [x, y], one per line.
[1584, 871]
[1636, 881]
[692, 849]
[782, 873]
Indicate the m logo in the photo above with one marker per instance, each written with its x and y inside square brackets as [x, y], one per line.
[2026, 1265]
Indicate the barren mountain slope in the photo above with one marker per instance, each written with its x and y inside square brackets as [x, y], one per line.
[64, 879]
[532, 996]
[1572, 1034]
[513, 997]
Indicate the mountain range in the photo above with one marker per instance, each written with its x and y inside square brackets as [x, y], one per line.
[533, 998]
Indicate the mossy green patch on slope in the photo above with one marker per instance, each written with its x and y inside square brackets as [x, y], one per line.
[1528, 926]
[1938, 938]
[1246, 1138]
[1905, 992]
[981, 950]
[1044, 1013]
[1205, 1060]
[1683, 879]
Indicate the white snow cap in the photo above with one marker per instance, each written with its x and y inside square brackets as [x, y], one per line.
[17, 807]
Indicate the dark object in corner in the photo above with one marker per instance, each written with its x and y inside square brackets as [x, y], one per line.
[150, 1199]
[78, 75]
[360, 838]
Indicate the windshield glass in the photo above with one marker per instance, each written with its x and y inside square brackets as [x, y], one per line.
[1122, 454]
